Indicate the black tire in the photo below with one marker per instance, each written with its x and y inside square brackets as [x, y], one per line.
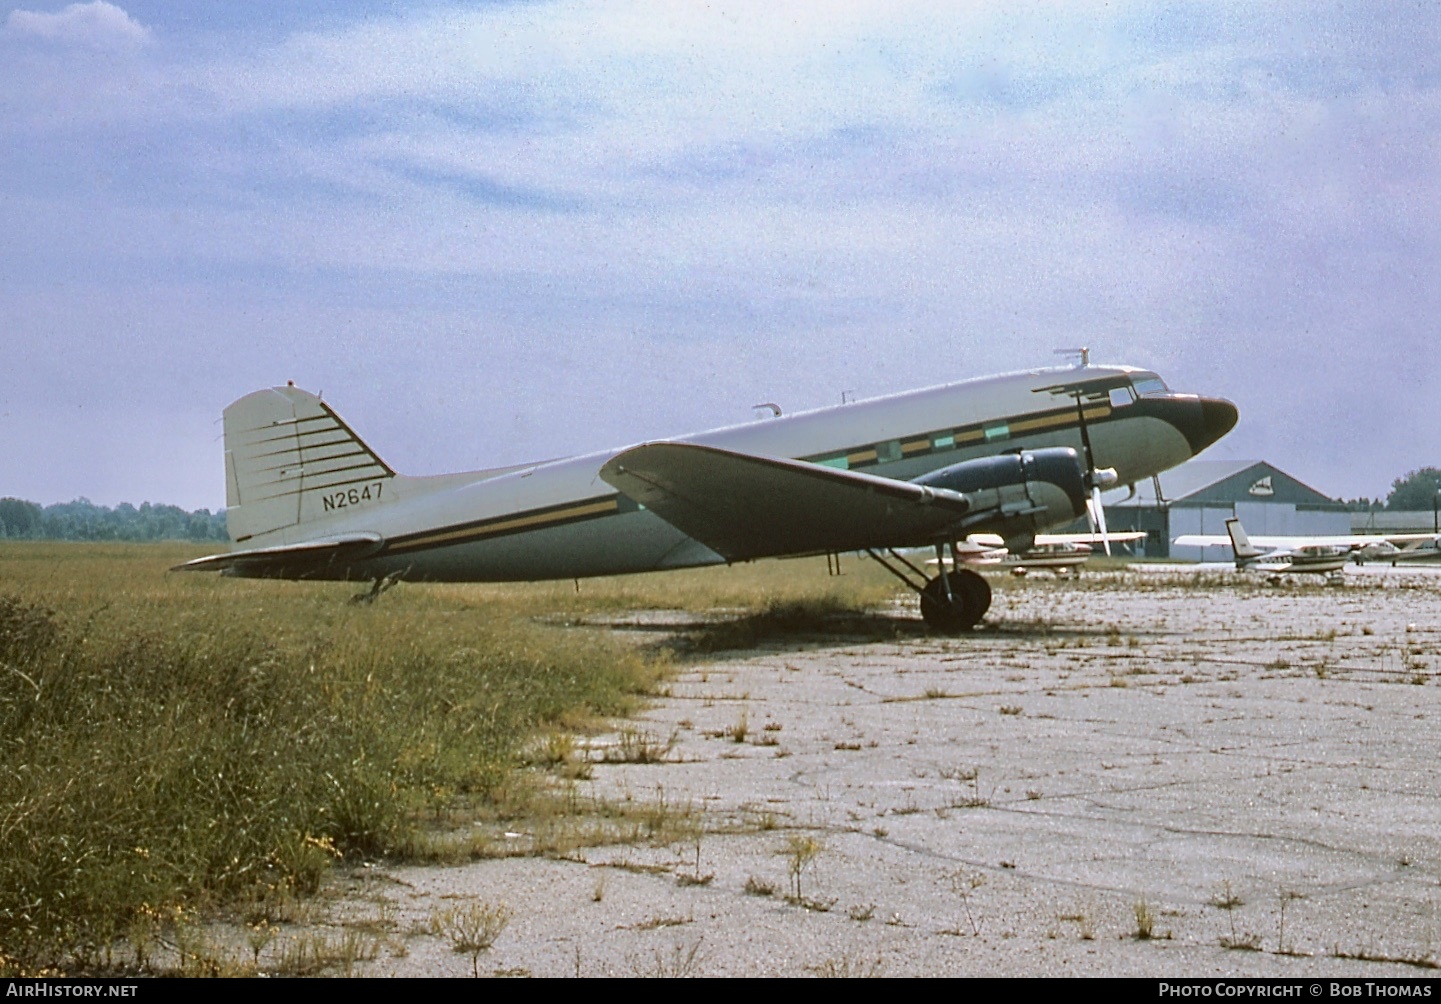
[977, 590]
[970, 599]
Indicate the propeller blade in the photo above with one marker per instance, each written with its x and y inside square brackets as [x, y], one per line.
[1097, 478]
[1100, 518]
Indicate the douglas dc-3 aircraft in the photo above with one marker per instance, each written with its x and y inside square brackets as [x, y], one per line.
[1011, 455]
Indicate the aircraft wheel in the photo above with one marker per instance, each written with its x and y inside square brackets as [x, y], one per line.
[970, 599]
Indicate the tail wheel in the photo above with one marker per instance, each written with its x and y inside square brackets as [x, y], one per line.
[969, 600]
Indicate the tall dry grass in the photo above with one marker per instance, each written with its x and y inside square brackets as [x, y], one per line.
[173, 741]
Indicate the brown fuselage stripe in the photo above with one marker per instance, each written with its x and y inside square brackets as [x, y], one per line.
[542, 519]
[554, 516]
[1059, 418]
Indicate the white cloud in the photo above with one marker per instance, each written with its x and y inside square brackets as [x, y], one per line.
[99, 25]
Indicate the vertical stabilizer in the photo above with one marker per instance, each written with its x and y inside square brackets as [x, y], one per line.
[290, 460]
[1241, 545]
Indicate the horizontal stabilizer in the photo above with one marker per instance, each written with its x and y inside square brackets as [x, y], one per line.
[743, 507]
[291, 557]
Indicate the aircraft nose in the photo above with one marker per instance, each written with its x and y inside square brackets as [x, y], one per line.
[1202, 420]
[1218, 417]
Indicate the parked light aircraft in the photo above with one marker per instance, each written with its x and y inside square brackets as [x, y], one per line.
[1048, 550]
[1311, 558]
[1317, 554]
[1011, 455]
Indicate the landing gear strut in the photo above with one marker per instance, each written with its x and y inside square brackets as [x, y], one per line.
[953, 601]
[379, 586]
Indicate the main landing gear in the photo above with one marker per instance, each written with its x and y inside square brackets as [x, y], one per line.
[963, 608]
[953, 601]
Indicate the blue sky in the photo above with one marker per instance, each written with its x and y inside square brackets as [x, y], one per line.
[499, 232]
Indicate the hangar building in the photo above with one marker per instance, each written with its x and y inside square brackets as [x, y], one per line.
[1199, 496]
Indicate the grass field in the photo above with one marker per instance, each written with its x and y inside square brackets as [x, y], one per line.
[176, 743]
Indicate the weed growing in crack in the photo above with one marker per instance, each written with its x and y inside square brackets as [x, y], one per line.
[1085, 925]
[1229, 901]
[848, 967]
[757, 886]
[1284, 897]
[640, 746]
[963, 883]
[680, 962]
[741, 728]
[968, 798]
[801, 851]
[472, 928]
[1145, 921]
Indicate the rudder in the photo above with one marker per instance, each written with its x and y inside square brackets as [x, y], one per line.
[290, 459]
[1241, 545]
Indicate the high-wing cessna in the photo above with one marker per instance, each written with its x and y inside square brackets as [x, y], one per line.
[1318, 555]
[1055, 551]
[1010, 455]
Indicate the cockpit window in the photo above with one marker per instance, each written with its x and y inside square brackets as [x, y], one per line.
[1150, 385]
[1122, 396]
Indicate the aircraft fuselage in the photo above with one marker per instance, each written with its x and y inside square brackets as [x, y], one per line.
[558, 519]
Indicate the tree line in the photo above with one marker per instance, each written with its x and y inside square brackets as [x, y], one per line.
[84, 520]
[1416, 492]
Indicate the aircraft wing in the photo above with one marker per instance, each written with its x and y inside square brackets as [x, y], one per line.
[1267, 543]
[1114, 537]
[994, 541]
[342, 548]
[743, 506]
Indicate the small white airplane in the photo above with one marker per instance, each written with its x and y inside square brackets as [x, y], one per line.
[1311, 558]
[1010, 455]
[1058, 552]
[1317, 554]
[1399, 548]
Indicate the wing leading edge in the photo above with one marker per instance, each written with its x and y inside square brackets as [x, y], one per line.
[743, 506]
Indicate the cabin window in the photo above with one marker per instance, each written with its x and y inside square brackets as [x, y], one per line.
[841, 462]
[997, 430]
[945, 441]
[888, 451]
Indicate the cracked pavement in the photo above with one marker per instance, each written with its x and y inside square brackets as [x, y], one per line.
[1249, 773]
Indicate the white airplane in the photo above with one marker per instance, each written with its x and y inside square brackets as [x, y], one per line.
[1400, 548]
[1011, 455]
[1048, 550]
[1317, 554]
[1311, 558]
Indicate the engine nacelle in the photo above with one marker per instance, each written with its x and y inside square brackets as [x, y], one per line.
[1017, 494]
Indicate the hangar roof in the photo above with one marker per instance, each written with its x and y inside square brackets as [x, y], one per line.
[1225, 481]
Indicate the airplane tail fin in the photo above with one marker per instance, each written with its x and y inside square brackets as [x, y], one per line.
[1241, 545]
[289, 459]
